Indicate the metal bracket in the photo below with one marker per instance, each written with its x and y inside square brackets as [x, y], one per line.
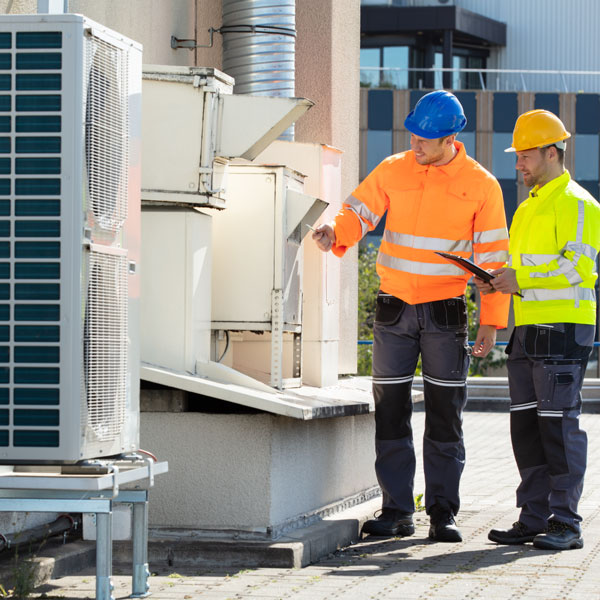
[177, 43]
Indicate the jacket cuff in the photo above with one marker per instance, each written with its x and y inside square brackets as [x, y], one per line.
[524, 279]
[339, 251]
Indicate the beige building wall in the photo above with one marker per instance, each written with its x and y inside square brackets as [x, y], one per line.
[149, 22]
[18, 7]
[327, 72]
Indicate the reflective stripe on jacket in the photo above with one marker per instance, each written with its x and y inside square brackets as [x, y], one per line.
[554, 241]
[455, 208]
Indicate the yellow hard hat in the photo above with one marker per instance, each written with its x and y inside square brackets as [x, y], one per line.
[536, 129]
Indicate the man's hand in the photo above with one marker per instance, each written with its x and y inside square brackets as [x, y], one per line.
[324, 236]
[505, 280]
[484, 287]
[486, 338]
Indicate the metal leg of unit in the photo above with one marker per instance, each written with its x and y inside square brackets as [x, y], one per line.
[277, 339]
[104, 586]
[297, 355]
[140, 586]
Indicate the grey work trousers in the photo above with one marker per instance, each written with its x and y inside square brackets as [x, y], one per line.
[437, 331]
[546, 366]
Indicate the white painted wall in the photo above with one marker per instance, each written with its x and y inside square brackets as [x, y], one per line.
[320, 462]
[251, 472]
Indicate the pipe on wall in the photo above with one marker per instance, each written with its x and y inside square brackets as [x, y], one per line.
[259, 44]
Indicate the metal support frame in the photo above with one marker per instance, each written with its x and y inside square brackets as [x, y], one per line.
[277, 339]
[277, 330]
[297, 367]
[33, 493]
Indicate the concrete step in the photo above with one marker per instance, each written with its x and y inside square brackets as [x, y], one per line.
[51, 560]
[295, 549]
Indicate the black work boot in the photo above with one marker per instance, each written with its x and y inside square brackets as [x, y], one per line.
[389, 523]
[443, 527]
[519, 533]
[558, 536]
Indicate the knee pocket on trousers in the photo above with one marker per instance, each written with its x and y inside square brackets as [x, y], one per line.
[393, 412]
[560, 384]
[443, 419]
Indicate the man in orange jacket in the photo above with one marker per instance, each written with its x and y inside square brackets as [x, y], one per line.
[437, 199]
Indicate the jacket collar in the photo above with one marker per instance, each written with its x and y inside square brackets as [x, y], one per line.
[548, 189]
[450, 168]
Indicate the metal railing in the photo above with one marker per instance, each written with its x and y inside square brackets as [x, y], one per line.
[370, 343]
[520, 80]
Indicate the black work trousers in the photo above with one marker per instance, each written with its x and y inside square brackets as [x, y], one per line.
[546, 366]
[436, 331]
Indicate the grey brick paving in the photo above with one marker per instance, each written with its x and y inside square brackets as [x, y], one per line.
[415, 568]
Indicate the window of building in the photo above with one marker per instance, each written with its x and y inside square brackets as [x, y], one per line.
[387, 67]
[396, 57]
[461, 80]
[370, 57]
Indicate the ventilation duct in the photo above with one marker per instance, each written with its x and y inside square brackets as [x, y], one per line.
[259, 40]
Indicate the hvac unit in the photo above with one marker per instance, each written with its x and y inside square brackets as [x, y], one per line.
[192, 125]
[69, 239]
[257, 266]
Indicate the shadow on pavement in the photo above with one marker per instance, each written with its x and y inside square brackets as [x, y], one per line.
[403, 556]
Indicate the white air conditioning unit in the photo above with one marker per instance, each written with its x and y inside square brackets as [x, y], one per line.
[70, 102]
[192, 124]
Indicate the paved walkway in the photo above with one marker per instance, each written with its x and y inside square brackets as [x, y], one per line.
[415, 568]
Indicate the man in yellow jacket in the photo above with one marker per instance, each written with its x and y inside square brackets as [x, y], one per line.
[554, 242]
[435, 198]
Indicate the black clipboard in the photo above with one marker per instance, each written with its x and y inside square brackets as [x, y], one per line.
[468, 265]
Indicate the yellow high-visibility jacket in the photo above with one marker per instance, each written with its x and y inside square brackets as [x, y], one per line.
[554, 242]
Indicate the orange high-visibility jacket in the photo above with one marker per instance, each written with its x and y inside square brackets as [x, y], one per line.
[455, 208]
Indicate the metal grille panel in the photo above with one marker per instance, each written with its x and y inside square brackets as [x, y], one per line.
[105, 344]
[31, 239]
[65, 353]
[106, 130]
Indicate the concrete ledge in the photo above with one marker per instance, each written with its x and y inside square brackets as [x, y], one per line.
[297, 549]
[294, 550]
[53, 560]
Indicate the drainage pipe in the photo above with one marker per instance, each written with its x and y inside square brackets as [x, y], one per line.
[63, 524]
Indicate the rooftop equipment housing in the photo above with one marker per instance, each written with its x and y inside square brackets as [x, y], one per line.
[69, 239]
[194, 124]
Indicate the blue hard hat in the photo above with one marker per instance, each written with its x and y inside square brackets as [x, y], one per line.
[436, 115]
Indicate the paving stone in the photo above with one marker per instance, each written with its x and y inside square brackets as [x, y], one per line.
[414, 567]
